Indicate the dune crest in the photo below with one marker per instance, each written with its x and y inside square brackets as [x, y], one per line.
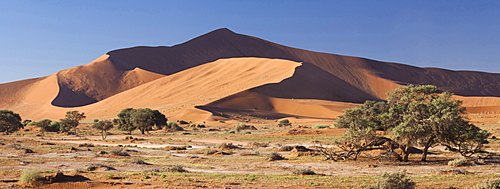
[222, 70]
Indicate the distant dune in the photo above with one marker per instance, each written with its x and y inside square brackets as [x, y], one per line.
[222, 71]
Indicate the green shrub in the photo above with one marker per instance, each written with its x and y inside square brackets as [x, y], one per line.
[395, 180]
[240, 127]
[488, 184]
[173, 126]
[30, 177]
[284, 123]
[458, 162]
[320, 126]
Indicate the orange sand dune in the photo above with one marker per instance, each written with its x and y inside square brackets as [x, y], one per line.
[85, 87]
[225, 70]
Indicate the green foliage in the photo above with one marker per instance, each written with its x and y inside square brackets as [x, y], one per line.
[44, 125]
[143, 119]
[416, 116]
[30, 177]
[240, 127]
[103, 126]
[320, 126]
[9, 121]
[173, 126]
[488, 184]
[71, 121]
[458, 162]
[26, 122]
[284, 123]
[395, 180]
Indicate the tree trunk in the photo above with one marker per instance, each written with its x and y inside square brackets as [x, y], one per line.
[427, 145]
[406, 152]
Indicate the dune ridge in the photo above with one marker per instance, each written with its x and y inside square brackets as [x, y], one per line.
[223, 70]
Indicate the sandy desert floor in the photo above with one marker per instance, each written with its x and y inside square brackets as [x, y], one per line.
[198, 158]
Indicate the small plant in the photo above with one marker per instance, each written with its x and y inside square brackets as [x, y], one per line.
[488, 184]
[175, 148]
[139, 162]
[458, 162]
[286, 148]
[284, 123]
[95, 166]
[274, 156]
[394, 180]
[258, 144]
[174, 168]
[30, 177]
[304, 171]
[240, 127]
[320, 126]
[111, 176]
[119, 152]
[226, 146]
[173, 126]
[209, 151]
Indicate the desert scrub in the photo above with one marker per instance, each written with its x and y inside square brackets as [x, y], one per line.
[303, 171]
[227, 146]
[168, 148]
[286, 148]
[458, 162]
[175, 169]
[119, 152]
[394, 180]
[488, 184]
[30, 177]
[173, 126]
[274, 156]
[320, 126]
[258, 144]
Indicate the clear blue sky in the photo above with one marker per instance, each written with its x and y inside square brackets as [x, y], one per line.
[39, 38]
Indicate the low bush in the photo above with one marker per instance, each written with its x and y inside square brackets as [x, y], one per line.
[139, 162]
[209, 151]
[173, 126]
[286, 148]
[175, 148]
[304, 171]
[488, 184]
[227, 146]
[284, 123]
[394, 180]
[274, 156]
[258, 144]
[175, 168]
[30, 177]
[119, 152]
[320, 126]
[95, 166]
[458, 162]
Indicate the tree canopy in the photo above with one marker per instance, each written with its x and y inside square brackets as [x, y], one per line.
[416, 116]
[71, 121]
[103, 126]
[9, 121]
[143, 119]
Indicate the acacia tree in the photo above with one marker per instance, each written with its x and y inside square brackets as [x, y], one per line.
[143, 119]
[103, 126]
[44, 125]
[124, 120]
[416, 116]
[71, 121]
[130, 119]
[9, 121]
